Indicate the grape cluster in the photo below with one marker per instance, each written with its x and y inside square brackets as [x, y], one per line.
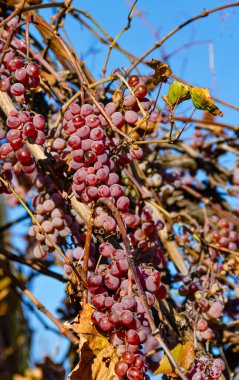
[209, 305]
[55, 220]
[17, 74]
[223, 233]
[144, 235]
[21, 126]
[207, 369]
[119, 310]
[94, 157]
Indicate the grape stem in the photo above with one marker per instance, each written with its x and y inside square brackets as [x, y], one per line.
[87, 251]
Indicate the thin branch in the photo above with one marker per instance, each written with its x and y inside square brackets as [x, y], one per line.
[130, 16]
[208, 202]
[208, 122]
[57, 248]
[181, 26]
[38, 304]
[13, 223]
[16, 12]
[33, 264]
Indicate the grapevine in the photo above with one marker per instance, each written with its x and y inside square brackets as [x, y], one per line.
[110, 182]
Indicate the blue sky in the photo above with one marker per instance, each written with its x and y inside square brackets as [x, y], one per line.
[213, 42]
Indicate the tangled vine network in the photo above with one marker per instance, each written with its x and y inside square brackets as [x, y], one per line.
[109, 177]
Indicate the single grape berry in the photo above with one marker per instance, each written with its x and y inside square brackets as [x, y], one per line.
[141, 91]
[133, 80]
[121, 368]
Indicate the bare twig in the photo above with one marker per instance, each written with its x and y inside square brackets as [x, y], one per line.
[130, 16]
[38, 304]
[38, 266]
[179, 27]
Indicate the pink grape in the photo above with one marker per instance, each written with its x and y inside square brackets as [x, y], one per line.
[116, 191]
[97, 134]
[39, 121]
[215, 310]
[105, 324]
[17, 89]
[86, 109]
[58, 144]
[103, 191]
[102, 175]
[111, 282]
[131, 117]
[123, 203]
[92, 191]
[134, 374]
[106, 249]
[75, 108]
[130, 100]
[110, 108]
[78, 121]
[84, 132]
[113, 179]
[136, 153]
[97, 147]
[74, 142]
[117, 119]
[127, 318]
[33, 70]
[92, 121]
[121, 368]
[109, 224]
[219, 363]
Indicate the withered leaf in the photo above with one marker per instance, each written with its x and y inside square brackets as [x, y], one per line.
[97, 355]
[184, 356]
[177, 93]
[202, 100]
[162, 71]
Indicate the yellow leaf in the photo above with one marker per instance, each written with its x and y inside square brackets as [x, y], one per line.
[97, 355]
[184, 356]
[202, 100]
[84, 328]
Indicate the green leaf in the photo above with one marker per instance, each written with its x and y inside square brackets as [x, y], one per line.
[202, 100]
[162, 71]
[177, 93]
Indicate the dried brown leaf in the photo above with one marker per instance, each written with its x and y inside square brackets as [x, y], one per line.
[162, 71]
[97, 355]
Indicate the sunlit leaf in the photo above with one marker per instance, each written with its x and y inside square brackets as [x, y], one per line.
[184, 356]
[177, 93]
[162, 71]
[202, 100]
[97, 355]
